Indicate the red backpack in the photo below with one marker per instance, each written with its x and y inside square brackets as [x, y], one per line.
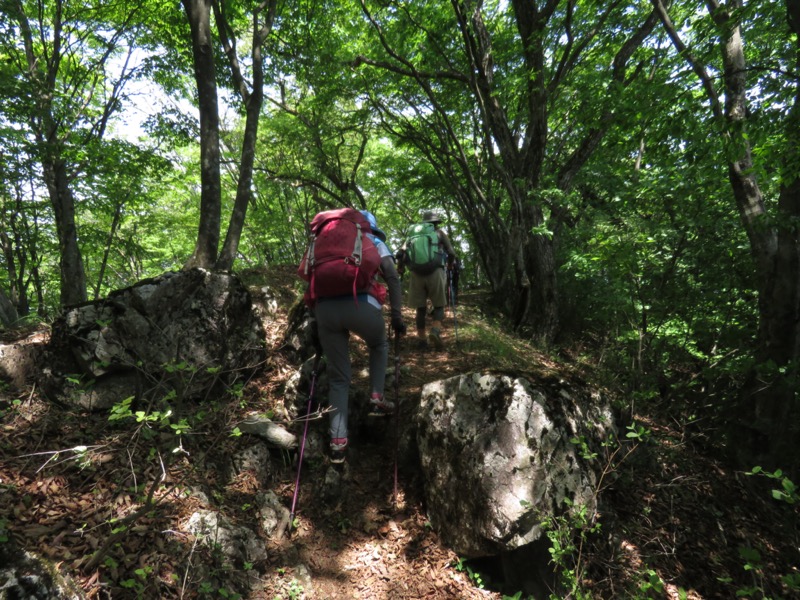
[340, 259]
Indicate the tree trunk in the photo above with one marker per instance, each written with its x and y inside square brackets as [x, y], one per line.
[44, 73]
[14, 275]
[515, 243]
[107, 249]
[532, 297]
[23, 246]
[198, 13]
[774, 403]
[769, 406]
[73, 276]
[72, 101]
[766, 422]
[252, 100]
[243, 189]
[8, 314]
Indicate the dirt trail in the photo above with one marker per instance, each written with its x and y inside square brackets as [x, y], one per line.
[368, 542]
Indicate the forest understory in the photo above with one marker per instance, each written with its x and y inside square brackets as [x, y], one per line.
[676, 520]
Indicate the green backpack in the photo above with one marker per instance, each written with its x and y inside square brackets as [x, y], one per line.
[422, 249]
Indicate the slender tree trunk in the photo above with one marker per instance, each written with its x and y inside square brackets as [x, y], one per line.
[8, 242]
[8, 313]
[19, 256]
[31, 237]
[198, 13]
[107, 249]
[253, 101]
[73, 275]
[29, 256]
[43, 70]
[227, 255]
[14, 253]
[12, 297]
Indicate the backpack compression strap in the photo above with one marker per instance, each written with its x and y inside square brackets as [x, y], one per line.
[310, 256]
[358, 252]
[310, 262]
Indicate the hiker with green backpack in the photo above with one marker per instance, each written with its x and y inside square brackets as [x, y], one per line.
[426, 252]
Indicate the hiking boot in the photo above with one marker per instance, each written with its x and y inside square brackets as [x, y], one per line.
[338, 450]
[380, 407]
[422, 343]
[435, 338]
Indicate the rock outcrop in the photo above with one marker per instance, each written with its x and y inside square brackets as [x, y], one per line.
[498, 458]
[180, 333]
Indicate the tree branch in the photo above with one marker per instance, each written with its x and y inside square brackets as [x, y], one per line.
[684, 51]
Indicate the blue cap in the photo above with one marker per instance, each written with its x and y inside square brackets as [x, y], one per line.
[373, 224]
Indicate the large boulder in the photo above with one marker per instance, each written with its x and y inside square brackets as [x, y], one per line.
[21, 355]
[186, 332]
[497, 457]
[28, 576]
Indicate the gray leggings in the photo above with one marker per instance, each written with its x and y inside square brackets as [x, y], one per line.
[336, 318]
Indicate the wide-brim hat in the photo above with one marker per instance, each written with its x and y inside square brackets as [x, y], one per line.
[373, 225]
[378, 233]
[431, 216]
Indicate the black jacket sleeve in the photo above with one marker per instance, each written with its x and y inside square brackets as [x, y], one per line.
[392, 279]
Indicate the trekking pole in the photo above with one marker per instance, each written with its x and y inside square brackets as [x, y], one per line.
[396, 410]
[452, 303]
[303, 442]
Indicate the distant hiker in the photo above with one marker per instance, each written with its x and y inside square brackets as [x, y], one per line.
[426, 252]
[346, 255]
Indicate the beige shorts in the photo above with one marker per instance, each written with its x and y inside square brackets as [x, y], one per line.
[430, 286]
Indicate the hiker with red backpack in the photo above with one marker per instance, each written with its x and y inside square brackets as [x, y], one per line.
[346, 255]
[426, 252]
